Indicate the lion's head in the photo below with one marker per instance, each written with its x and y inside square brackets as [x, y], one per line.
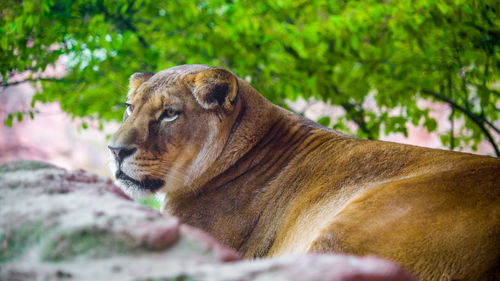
[174, 127]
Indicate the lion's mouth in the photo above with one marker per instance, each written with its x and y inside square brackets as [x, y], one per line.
[149, 184]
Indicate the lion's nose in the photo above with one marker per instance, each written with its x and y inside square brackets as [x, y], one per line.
[121, 153]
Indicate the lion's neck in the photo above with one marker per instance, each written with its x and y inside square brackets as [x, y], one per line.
[235, 205]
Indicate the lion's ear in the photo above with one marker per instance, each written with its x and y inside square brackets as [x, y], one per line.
[138, 78]
[214, 87]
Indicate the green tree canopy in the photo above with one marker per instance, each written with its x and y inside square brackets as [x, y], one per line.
[339, 52]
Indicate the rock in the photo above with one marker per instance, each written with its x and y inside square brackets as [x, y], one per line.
[61, 225]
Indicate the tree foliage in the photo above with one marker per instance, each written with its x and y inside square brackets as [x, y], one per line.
[341, 52]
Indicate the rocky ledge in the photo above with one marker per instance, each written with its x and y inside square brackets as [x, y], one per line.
[63, 225]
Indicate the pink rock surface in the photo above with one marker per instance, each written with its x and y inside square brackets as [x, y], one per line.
[59, 225]
[222, 252]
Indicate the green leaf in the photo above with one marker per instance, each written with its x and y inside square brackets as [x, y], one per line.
[430, 124]
[8, 121]
[19, 116]
[324, 121]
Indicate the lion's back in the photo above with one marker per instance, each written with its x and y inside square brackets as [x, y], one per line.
[436, 212]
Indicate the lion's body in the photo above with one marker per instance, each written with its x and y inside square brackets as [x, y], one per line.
[276, 183]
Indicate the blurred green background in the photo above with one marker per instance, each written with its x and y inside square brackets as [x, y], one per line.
[344, 53]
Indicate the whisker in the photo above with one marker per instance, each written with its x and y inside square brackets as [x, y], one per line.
[161, 174]
[164, 169]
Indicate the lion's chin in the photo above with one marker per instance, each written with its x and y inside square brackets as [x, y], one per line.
[135, 188]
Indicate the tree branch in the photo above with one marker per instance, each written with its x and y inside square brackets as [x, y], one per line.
[356, 115]
[472, 116]
[492, 126]
[9, 84]
[452, 129]
[358, 118]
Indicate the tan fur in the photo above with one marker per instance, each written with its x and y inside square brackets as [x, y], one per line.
[267, 182]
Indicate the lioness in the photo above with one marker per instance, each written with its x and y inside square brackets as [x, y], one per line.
[268, 182]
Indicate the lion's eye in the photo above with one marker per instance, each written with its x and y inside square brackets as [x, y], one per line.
[129, 109]
[169, 114]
